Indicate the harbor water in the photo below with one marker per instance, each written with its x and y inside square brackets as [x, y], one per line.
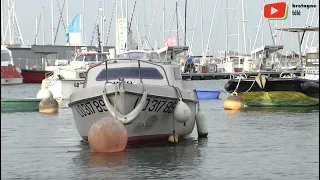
[256, 143]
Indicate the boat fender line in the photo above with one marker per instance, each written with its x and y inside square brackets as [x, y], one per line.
[261, 80]
[130, 117]
[182, 112]
[215, 68]
[239, 80]
[310, 87]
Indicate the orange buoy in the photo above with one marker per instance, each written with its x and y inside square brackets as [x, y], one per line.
[107, 135]
[233, 103]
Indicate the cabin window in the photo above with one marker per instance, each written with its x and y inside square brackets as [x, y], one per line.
[79, 58]
[89, 58]
[102, 57]
[129, 72]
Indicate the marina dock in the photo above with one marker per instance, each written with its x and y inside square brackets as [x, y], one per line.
[212, 76]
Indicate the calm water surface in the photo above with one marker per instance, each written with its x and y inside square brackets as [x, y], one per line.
[256, 143]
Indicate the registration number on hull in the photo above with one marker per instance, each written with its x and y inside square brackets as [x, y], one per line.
[91, 107]
[155, 105]
[98, 106]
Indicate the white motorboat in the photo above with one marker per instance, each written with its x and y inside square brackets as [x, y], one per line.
[10, 74]
[69, 78]
[145, 93]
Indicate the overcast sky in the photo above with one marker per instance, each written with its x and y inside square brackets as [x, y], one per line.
[27, 11]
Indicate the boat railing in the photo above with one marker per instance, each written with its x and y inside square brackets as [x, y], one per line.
[289, 74]
[238, 75]
[139, 65]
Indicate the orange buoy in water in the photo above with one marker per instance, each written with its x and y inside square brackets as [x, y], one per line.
[107, 135]
[233, 103]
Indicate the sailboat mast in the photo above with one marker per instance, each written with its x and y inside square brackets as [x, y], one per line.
[202, 38]
[244, 28]
[36, 39]
[9, 21]
[128, 40]
[177, 19]
[100, 29]
[13, 23]
[43, 31]
[275, 33]
[185, 22]
[2, 22]
[67, 12]
[226, 28]
[52, 25]
[18, 29]
[163, 22]
[291, 24]
[83, 10]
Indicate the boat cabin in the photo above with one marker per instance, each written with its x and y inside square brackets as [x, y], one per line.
[312, 64]
[158, 71]
[6, 57]
[172, 53]
[86, 59]
[266, 57]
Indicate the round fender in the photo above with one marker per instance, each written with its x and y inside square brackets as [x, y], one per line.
[310, 87]
[229, 87]
[182, 112]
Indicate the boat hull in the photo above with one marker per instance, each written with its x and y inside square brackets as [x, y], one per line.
[277, 98]
[34, 76]
[9, 75]
[276, 92]
[208, 94]
[20, 105]
[7, 81]
[154, 123]
[62, 89]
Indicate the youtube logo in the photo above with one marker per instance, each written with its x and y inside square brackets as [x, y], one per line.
[276, 11]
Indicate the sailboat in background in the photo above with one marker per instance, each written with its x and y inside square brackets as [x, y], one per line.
[73, 37]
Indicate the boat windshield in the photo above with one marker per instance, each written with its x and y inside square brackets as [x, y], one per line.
[235, 60]
[138, 55]
[90, 57]
[129, 73]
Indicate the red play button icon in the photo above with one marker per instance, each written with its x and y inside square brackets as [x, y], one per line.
[275, 10]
